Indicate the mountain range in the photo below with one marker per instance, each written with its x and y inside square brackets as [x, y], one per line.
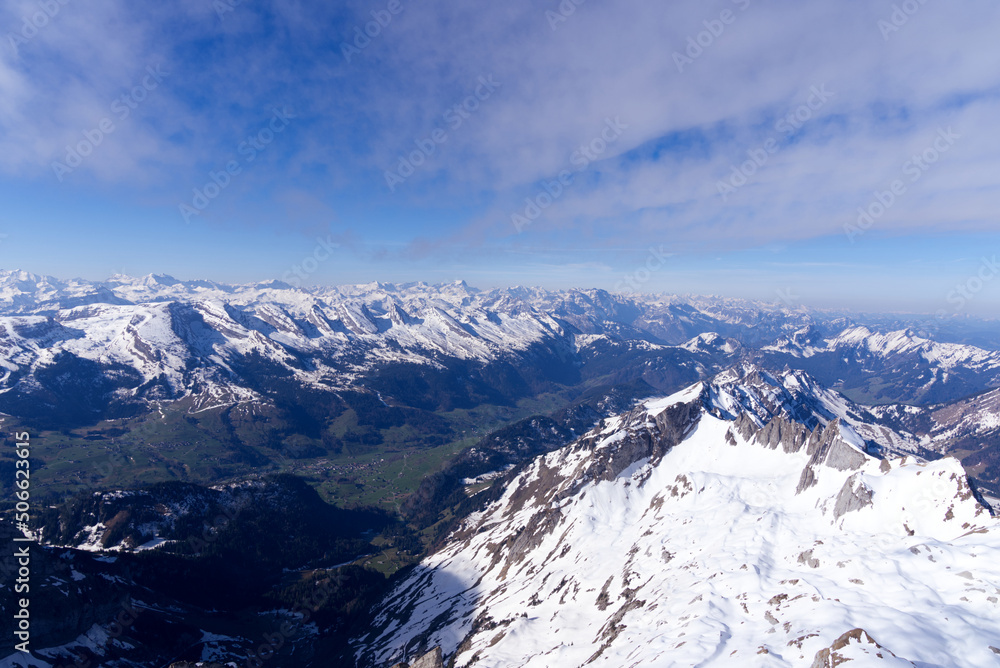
[281, 365]
[155, 338]
[502, 477]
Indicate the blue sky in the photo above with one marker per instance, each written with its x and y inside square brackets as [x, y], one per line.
[511, 143]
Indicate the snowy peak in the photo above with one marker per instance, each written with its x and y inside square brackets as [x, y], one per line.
[178, 339]
[752, 395]
[890, 366]
[671, 535]
[887, 345]
[157, 280]
[712, 344]
[751, 392]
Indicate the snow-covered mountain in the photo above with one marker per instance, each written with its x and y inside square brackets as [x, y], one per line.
[889, 366]
[157, 338]
[739, 522]
[969, 428]
[898, 344]
[782, 508]
[184, 345]
[74, 353]
[111, 348]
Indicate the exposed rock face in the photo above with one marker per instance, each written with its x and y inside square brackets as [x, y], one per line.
[653, 441]
[825, 445]
[779, 431]
[843, 457]
[853, 645]
[854, 495]
[806, 480]
[432, 659]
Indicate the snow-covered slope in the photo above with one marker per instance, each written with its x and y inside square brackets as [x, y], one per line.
[712, 527]
[969, 428]
[160, 339]
[74, 352]
[125, 342]
[902, 343]
[749, 392]
[889, 366]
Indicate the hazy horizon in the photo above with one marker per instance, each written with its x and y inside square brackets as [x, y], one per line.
[783, 299]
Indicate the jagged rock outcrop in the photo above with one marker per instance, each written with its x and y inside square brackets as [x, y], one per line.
[854, 495]
[824, 445]
[806, 480]
[851, 646]
[652, 441]
[843, 457]
[432, 659]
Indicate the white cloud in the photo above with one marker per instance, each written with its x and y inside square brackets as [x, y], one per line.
[616, 59]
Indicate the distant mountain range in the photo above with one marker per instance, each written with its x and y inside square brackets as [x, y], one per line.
[74, 352]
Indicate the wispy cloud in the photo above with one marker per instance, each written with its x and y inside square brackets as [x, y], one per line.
[750, 72]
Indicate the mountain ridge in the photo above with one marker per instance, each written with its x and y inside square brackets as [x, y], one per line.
[662, 505]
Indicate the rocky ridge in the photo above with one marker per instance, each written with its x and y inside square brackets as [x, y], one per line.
[690, 531]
